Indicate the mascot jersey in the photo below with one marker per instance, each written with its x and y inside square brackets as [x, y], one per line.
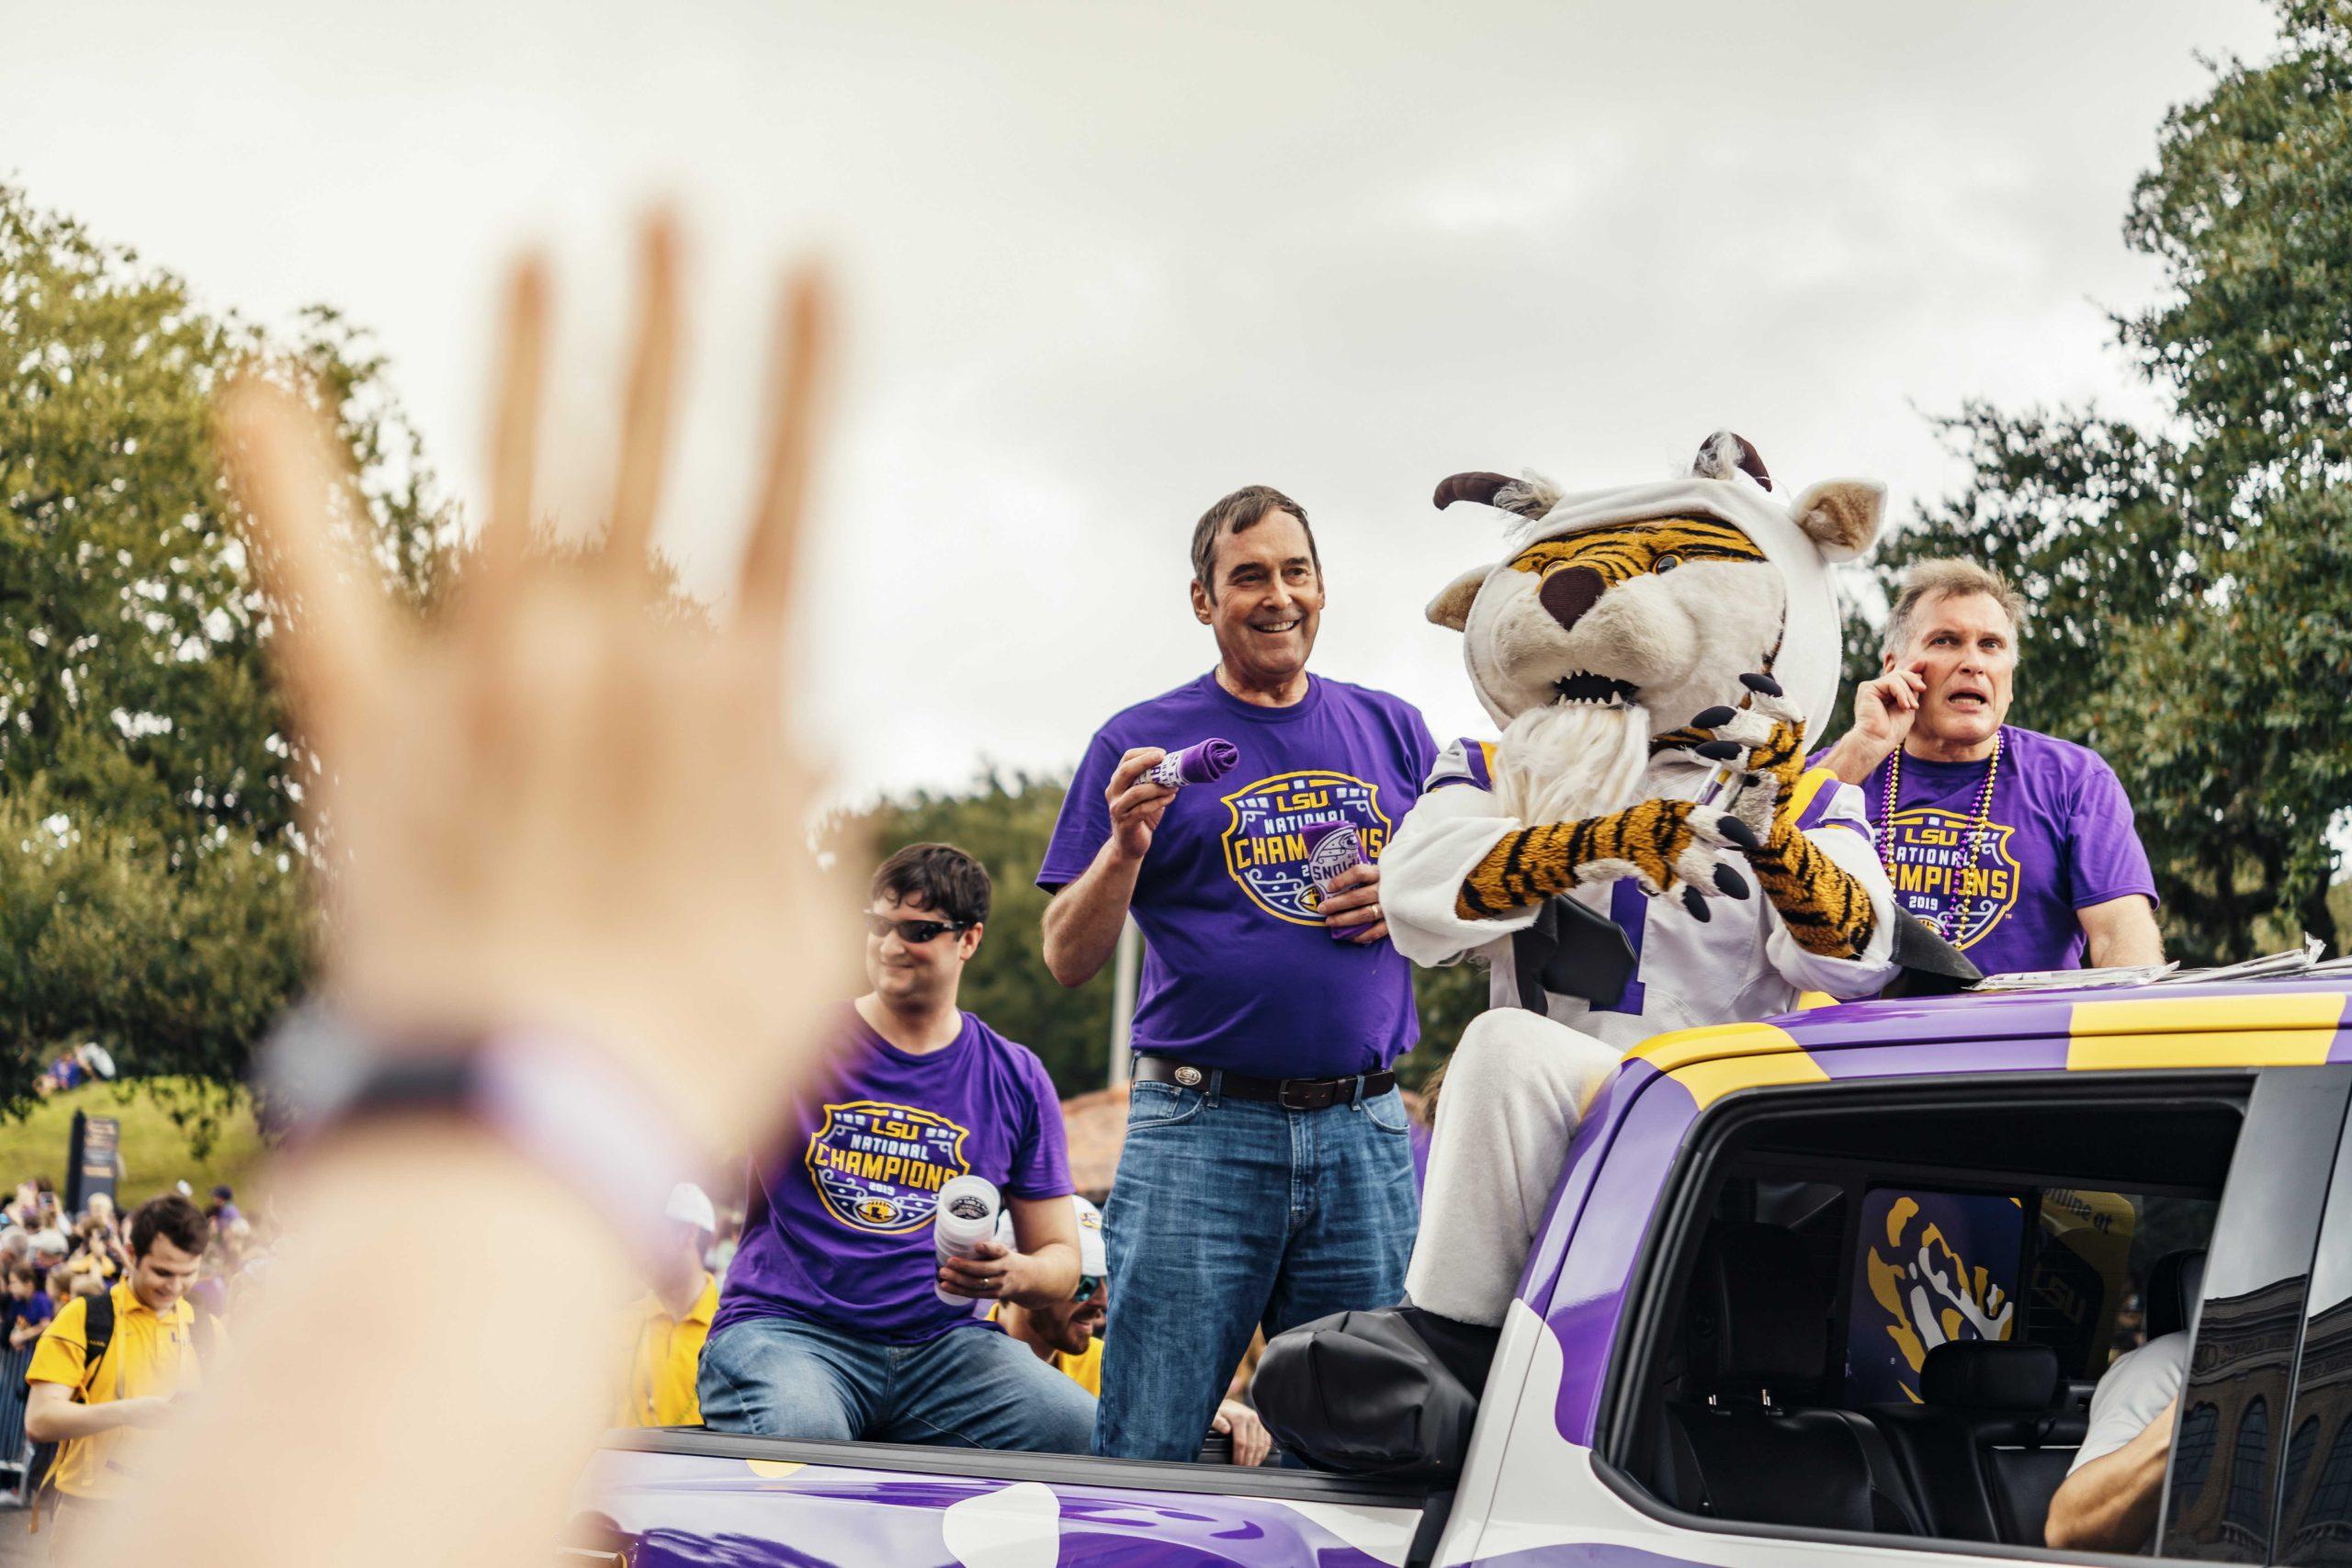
[1740, 963]
[1240, 972]
[839, 1231]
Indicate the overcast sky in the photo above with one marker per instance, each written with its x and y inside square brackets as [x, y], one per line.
[1106, 261]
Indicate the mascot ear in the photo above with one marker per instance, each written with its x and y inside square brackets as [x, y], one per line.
[1450, 609]
[1842, 516]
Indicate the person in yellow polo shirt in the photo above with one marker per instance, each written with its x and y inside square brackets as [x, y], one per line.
[671, 1322]
[1069, 1334]
[148, 1344]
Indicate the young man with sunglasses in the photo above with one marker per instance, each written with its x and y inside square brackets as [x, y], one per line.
[832, 1324]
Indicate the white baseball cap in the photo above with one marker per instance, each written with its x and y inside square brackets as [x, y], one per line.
[1093, 1257]
[690, 1205]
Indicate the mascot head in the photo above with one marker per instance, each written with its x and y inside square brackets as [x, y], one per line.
[1658, 596]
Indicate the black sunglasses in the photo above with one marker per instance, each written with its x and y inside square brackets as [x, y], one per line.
[913, 932]
[1087, 1285]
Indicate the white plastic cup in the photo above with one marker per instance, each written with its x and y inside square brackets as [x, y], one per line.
[965, 1218]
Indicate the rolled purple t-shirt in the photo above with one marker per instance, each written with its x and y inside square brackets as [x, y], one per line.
[1239, 970]
[2059, 836]
[838, 1229]
[1203, 762]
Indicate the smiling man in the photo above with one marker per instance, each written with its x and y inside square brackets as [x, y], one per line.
[1266, 1177]
[2016, 847]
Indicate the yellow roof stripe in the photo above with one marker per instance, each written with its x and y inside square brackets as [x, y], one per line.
[1717, 1060]
[1677, 1047]
[1710, 1081]
[2282, 1029]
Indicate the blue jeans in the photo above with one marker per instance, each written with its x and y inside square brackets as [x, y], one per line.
[1228, 1214]
[970, 1388]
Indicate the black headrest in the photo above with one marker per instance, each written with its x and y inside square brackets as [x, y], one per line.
[1763, 1307]
[1985, 1374]
[2174, 1286]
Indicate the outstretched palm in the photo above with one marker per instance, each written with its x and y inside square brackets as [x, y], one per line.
[554, 809]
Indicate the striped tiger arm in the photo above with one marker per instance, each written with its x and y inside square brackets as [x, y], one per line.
[1530, 864]
[1824, 906]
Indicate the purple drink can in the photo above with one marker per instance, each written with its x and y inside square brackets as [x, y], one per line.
[1330, 850]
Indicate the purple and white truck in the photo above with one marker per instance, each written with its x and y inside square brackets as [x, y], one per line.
[1830, 1289]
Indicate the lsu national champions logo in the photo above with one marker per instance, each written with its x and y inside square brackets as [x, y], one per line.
[879, 1166]
[1936, 878]
[1266, 840]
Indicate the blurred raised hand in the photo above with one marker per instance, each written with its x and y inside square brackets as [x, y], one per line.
[559, 806]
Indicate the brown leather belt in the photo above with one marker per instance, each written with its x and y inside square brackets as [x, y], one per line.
[1291, 1094]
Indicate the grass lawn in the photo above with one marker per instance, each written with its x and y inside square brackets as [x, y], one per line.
[156, 1154]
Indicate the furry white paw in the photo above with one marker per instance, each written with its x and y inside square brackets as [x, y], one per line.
[1708, 867]
[1773, 707]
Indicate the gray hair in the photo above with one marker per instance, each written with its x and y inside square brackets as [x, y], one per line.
[1237, 512]
[1945, 578]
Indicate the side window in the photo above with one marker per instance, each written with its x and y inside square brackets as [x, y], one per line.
[2315, 1495]
[1880, 1311]
[2229, 1457]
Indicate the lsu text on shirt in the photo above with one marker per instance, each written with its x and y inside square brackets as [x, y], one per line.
[838, 1230]
[150, 1354]
[1239, 970]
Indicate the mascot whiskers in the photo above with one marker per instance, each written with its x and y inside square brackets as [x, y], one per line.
[1641, 850]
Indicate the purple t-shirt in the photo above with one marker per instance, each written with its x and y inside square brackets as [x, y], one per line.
[838, 1229]
[2060, 837]
[1238, 971]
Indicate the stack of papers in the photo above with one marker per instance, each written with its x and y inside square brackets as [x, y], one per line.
[2075, 980]
[2304, 960]
[2295, 960]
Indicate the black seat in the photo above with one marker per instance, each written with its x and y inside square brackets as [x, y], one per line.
[2174, 1286]
[1990, 1441]
[1757, 1348]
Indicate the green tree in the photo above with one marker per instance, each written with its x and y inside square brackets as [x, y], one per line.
[151, 870]
[2187, 587]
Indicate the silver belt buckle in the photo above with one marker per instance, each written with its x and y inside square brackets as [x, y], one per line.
[1189, 1076]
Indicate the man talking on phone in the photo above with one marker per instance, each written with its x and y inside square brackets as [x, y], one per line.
[2016, 847]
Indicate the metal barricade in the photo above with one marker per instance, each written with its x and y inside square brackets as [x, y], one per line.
[14, 1449]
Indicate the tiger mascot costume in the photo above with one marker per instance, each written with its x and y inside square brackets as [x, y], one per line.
[1655, 656]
